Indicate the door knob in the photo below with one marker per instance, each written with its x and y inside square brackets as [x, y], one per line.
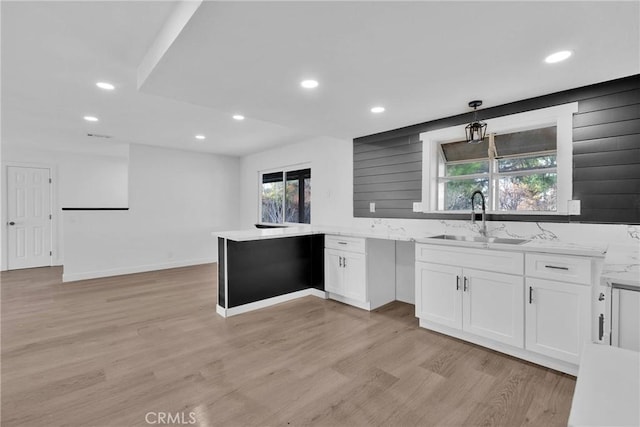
[12, 223]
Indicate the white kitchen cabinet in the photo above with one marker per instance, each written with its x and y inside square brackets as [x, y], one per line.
[531, 305]
[438, 297]
[359, 271]
[492, 306]
[483, 303]
[559, 267]
[345, 274]
[557, 318]
[333, 271]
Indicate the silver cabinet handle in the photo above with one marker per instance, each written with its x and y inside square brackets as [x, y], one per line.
[12, 223]
[555, 267]
[457, 283]
[340, 261]
[466, 286]
[344, 262]
[530, 295]
[342, 243]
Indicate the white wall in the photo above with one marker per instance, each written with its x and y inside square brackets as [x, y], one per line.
[94, 182]
[331, 180]
[176, 199]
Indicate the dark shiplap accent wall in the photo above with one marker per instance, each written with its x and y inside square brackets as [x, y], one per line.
[387, 167]
[606, 156]
[389, 173]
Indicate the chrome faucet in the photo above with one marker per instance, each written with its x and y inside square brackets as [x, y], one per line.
[483, 230]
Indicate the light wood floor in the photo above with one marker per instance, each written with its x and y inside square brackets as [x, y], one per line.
[108, 351]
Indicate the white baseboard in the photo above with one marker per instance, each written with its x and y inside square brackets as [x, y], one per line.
[558, 365]
[407, 299]
[226, 312]
[221, 310]
[345, 300]
[318, 293]
[72, 277]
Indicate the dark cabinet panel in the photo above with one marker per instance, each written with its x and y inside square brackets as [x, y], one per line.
[261, 269]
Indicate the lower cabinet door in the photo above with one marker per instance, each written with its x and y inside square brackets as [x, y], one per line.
[493, 306]
[355, 280]
[438, 294]
[333, 271]
[557, 318]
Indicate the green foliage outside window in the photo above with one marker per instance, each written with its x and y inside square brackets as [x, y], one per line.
[282, 203]
[522, 183]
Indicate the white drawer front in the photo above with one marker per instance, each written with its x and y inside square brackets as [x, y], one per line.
[351, 244]
[559, 267]
[482, 259]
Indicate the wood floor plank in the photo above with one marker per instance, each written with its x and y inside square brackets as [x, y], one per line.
[107, 352]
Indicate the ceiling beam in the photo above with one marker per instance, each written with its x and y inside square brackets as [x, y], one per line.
[170, 31]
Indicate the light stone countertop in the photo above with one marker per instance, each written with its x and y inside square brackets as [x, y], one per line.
[608, 388]
[536, 245]
[275, 233]
[622, 266]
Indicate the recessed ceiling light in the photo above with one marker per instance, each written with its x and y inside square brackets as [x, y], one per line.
[200, 137]
[90, 118]
[558, 56]
[105, 86]
[309, 84]
[238, 117]
[377, 109]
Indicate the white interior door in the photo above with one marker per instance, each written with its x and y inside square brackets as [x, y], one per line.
[29, 217]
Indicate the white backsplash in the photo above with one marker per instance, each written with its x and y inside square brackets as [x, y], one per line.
[581, 234]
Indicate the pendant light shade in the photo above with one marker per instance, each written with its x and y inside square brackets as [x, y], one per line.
[476, 130]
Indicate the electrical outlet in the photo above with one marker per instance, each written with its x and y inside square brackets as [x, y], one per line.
[372, 207]
[417, 206]
[573, 207]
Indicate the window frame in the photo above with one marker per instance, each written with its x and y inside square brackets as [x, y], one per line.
[560, 116]
[284, 171]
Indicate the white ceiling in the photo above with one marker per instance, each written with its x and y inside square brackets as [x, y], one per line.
[421, 60]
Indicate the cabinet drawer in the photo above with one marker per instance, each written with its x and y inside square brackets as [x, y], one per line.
[563, 268]
[351, 244]
[481, 259]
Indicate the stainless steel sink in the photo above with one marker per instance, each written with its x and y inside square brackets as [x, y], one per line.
[480, 239]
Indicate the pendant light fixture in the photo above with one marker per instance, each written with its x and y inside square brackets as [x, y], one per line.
[475, 130]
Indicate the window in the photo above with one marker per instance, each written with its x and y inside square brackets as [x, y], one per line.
[529, 170]
[521, 176]
[285, 197]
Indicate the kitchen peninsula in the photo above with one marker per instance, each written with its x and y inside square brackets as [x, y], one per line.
[262, 267]
[501, 308]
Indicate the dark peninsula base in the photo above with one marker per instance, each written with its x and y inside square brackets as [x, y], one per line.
[256, 270]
